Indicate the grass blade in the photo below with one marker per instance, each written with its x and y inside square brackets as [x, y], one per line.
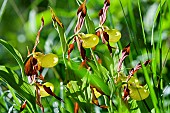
[61, 31]
[3, 9]
[152, 92]
[15, 54]
[22, 88]
[89, 25]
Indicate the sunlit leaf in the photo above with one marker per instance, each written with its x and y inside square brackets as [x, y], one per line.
[12, 91]
[99, 83]
[77, 93]
[2, 9]
[72, 86]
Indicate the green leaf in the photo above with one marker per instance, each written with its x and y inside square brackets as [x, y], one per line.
[158, 10]
[14, 96]
[26, 91]
[15, 54]
[77, 93]
[3, 104]
[134, 106]
[94, 68]
[104, 55]
[89, 25]
[2, 10]
[99, 83]
[60, 29]
[105, 73]
[75, 88]
[151, 89]
[92, 78]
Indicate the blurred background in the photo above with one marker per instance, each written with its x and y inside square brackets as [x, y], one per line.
[20, 21]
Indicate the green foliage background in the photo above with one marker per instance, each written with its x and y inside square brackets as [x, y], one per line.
[20, 21]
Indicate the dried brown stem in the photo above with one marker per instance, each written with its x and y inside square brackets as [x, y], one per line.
[38, 35]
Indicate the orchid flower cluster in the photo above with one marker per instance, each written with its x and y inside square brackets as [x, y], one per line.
[108, 36]
[36, 61]
[34, 65]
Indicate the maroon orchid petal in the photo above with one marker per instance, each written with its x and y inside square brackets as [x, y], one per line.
[70, 49]
[48, 90]
[30, 66]
[76, 107]
[82, 52]
[81, 13]
[126, 93]
[125, 53]
[102, 12]
[147, 62]
[23, 106]
[136, 68]
[56, 19]
[110, 48]
[38, 98]
[105, 37]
